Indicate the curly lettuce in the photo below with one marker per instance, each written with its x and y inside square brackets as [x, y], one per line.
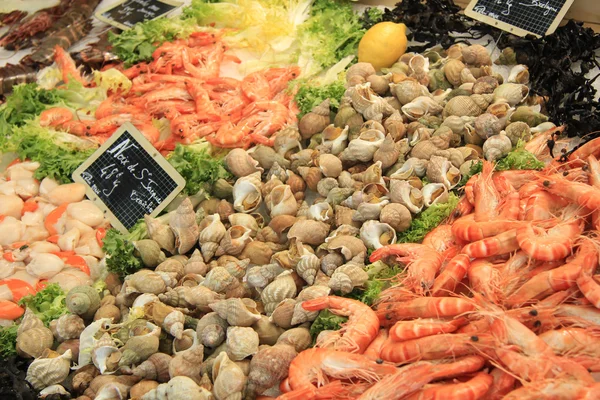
[310, 94]
[48, 304]
[120, 252]
[519, 158]
[26, 102]
[380, 276]
[326, 321]
[427, 220]
[8, 341]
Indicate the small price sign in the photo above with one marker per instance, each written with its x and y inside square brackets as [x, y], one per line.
[127, 178]
[520, 17]
[127, 13]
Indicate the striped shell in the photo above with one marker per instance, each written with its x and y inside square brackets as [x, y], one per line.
[283, 287]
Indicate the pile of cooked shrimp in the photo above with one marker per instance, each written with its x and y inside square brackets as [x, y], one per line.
[183, 85]
[499, 302]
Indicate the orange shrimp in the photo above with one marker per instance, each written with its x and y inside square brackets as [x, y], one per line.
[577, 192]
[462, 208]
[451, 275]
[441, 238]
[509, 330]
[278, 78]
[422, 263]
[590, 288]
[55, 116]
[421, 327]
[115, 104]
[403, 382]
[555, 389]
[502, 383]
[264, 117]
[467, 228]
[362, 325]
[372, 352]
[573, 341]
[552, 244]
[485, 196]
[79, 128]
[542, 205]
[485, 278]
[18, 288]
[255, 87]
[472, 389]
[162, 108]
[149, 131]
[112, 122]
[314, 365]
[10, 311]
[228, 136]
[434, 347]
[67, 66]
[204, 105]
[168, 93]
[577, 158]
[422, 307]
[502, 243]
[562, 278]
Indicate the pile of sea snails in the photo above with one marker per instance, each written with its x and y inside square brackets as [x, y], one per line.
[216, 311]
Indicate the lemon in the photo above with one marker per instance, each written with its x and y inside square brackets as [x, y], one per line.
[383, 44]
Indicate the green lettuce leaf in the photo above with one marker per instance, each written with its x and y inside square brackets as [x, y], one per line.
[380, 276]
[311, 94]
[427, 220]
[198, 166]
[519, 158]
[119, 250]
[326, 321]
[8, 341]
[27, 101]
[48, 304]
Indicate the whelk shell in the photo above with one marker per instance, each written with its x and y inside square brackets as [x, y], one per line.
[397, 216]
[240, 163]
[311, 292]
[268, 367]
[309, 232]
[283, 287]
[441, 170]
[281, 201]
[434, 193]
[377, 234]
[347, 277]
[241, 342]
[364, 147]
[51, 368]
[402, 192]
[247, 194]
[237, 312]
[512, 93]
[229, 379]
[235, 240]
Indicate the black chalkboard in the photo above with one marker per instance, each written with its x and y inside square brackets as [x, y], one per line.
[130, 12]
[128, 178]
[539, 17]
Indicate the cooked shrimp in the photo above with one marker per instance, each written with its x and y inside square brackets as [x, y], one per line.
[486, 198]
[422, 307]
[485, 278]
[573, 341]
[502, 383]
[55, 116]
[577, 192]
[255, 86]
[421, 327]
[314, 365]
[264, 117]
[502, 243]
[278, 78]
[462, 208]
[550, 244]
[451, 276]
[374, 349]
[466, 228]
[67, 66]
[362, 325]
[562, 278]
[555, 389]
[441, 238]
[472, 389]
[590, 288]
[229, 136]
[542, 205]
[169, 93]
[422, 263]
[577, 158]
[434, 347]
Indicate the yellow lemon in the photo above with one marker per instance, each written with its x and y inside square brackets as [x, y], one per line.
[383, 44]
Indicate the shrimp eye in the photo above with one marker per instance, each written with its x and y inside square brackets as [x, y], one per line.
[388, 317]
[537, 324]
[563, 151]
[566, 173]
[23, 247]
[88, 127]
[180, 130]
[585, 168]
[475, 338]
[379, 361]
[138, 66]
[546, 183]
[533, 313]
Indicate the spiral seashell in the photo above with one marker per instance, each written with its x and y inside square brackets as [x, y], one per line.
[267, 331]
[295, 182]
[462, 106]
[311, 175]
[434, 193]
[408, 90]
[211, 329]
[375, 234]
[156, 367]
[402, 192]
[452, 71]
[50, 369]
[315, 121]
[283, 287]
[364, 147]
[282, 314]
[309, 232]
[83, 301]
[370, 209]
[105, 354]
[229, 379]
[299, 338]
[347, 277]
[485, 84]
[171, 265]
[362, 69]
[240, 163]
[281, 201]
[440, 170]
[301, 315]
[145, 281]
[516, 131]
[195, 264]
[335, 138]
[476, 54]
[149, 251]
[219, 280]
[160, 233]
[247, 193]
[237, 312]
[320, 212]
[498, 147]
[512, 93]
[67, 327]
[140, 348]
[29, 321]
[269, 366]
[487, 125]
[348, 246]
[83, 376]
[235, 240]
[241, 342]
[178, 388]
[421, 107]
[183, 224]
[188, 362]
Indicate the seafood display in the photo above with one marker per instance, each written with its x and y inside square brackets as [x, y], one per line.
[401, 229]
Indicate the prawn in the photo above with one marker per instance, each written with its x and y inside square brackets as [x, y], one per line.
[550, 244]
[374, 349]
[264, 117]
[55, 116]
[472, 389]
[314, 365]
[502, 243]
[67, 66]
[255, 87]
[573, 341]
[485, 278]
[434, 347]
[542, 205]
[229, 135]
[423, 307]
[468, 229]
[414, 329]
[422, 263]
[502, 383]
[362, 326]
[577, 192]
[555, 389]
[452, 274]
[589, 287]
[486, 198]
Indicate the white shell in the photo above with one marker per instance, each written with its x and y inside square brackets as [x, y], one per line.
[434, 193]
[246, 193]
[371, 233]
[402, 192]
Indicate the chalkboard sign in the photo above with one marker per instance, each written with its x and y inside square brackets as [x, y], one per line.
[128, 178]
[520, 17]
[127, 13]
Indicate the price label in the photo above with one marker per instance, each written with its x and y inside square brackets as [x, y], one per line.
[127, 178]
[127, 13]
[520, 17]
